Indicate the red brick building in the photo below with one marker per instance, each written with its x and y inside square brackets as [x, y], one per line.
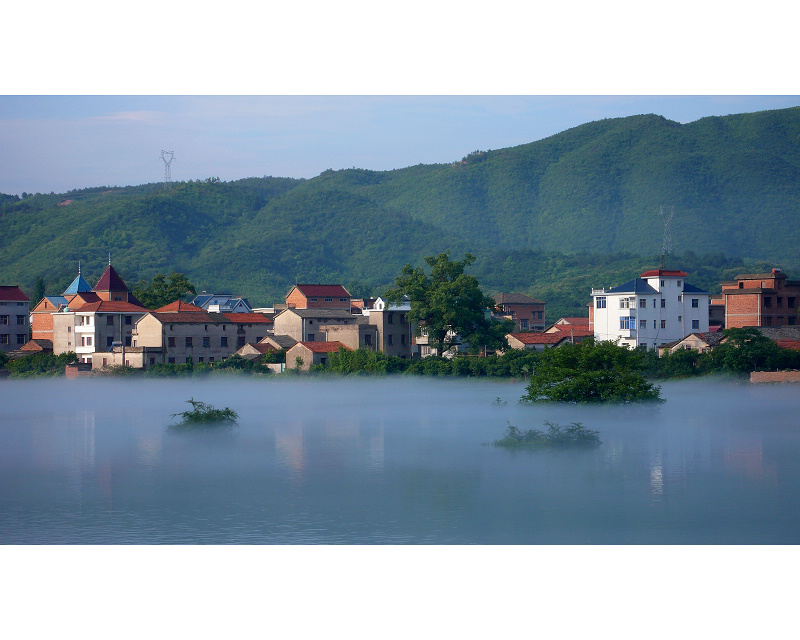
[761, 300]
[526, 312]
[318, 296]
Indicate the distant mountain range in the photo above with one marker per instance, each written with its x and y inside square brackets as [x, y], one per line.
[598, 189]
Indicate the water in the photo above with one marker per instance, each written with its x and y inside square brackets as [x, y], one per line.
[392, 461]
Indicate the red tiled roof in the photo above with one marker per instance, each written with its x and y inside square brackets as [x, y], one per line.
[323, 290]
[248, 318]
[538, 338]
[115, 306]
[575, 330]
[12, 293]
[663, 272]
[324, 347]
[576, 321]
[110, 281]
[180, 306]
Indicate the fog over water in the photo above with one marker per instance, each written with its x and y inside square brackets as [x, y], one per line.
[392, 461]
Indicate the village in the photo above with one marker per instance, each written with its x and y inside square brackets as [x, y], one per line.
[106, 326]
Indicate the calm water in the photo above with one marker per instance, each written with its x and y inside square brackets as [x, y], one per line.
[392, 461]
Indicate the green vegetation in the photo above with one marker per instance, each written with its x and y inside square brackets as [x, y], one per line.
[449, 303]
[162, 291]
[205, 414]
[574, 435]
[550, 219]
[590, 372]
[40, 365]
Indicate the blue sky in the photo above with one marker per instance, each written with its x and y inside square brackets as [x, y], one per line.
[259, 89]
[57, 143]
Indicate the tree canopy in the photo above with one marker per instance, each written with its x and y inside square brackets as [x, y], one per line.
[591, 372]
[448, 304]
[162, 290]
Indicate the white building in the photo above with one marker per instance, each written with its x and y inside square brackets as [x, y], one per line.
[656, 308]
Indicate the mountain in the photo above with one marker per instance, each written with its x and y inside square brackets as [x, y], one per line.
[530, 213]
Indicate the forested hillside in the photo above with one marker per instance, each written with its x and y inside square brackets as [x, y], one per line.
[551, 218]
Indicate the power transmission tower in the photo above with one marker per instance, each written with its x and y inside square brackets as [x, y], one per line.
[167, 163]
[666, 245]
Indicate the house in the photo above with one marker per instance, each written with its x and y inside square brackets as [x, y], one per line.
[761, 300]
[14, 318]
[696, 341]
[318, 296]
[537, 341]
[650, 311]
[222, 303]
[526, 312]
[255, 351]
[304, 354]
[325, 325]
[93, 321]
[394, 332]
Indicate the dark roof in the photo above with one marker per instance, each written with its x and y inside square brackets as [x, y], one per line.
[37, 344]
[12, 293]
[322, 290]
[637, 285]
[110, 281]
[689, 288]
[515, 298]
[789, 332]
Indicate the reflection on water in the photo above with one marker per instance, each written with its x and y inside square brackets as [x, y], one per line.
[392, 461]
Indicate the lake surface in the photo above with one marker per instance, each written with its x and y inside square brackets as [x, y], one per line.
[392, 461]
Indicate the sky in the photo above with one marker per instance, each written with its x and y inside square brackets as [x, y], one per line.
[61, 142]
[293, 91]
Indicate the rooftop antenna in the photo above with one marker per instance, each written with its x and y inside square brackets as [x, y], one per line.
[167, 157]
[666, 245]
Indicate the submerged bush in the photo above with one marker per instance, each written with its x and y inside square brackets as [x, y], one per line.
[205, 414]
[573, 435]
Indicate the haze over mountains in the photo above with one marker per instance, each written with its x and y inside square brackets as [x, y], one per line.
[529, 213]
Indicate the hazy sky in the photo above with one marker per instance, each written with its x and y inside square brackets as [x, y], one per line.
[94, 95]
[57, 143]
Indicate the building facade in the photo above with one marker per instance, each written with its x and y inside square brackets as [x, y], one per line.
[761, 300]
[652, 310]
[527, 313]
[318, 296]
[15, 309]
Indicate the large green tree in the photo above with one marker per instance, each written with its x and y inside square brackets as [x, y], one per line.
[590, 372]
[447, 304]
[163, 290]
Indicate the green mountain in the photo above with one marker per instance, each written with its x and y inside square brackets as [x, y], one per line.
[550, 218]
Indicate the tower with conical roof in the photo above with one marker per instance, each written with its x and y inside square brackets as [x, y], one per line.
[111, 287]
[79, 285]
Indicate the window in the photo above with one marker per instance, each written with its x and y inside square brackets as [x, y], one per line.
[403, 338]
[206, 341]
[663, 324]
[22, 338]
[625, 323]
[679, 297]
[389, 339]
[695, 324]
[679, 283]
[695, 303]
[109, 341]
[188, 341]
[368, 339]
[171, 341]
[663, 303]
[662, 283]
[643, 303]
[170, 360]
[654, 324]
[21, 319]
[127, 341]
[342, 299]
[767, 302]
[310, 337]
[223, 341]
[390, 318]
[600, 302]
[152, 361]
[211, 359]
[3, 338]
[643, 324]
[205, 327]
[523, 324]
[240, 341]
[259, 338]
[625, 303]
[792, 319]
[128, 319]
[110, 320]
[312, 299]
[680, 318]
[328, 299]
[189, 360]
[790, 302]
[3, 319]
[200, 359]
[768, 321]
[105, 362]
[779, 302]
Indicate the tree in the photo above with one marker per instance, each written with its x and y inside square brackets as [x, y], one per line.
[448, 303]
[163, 290]
[38, 291]
[590, 372]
